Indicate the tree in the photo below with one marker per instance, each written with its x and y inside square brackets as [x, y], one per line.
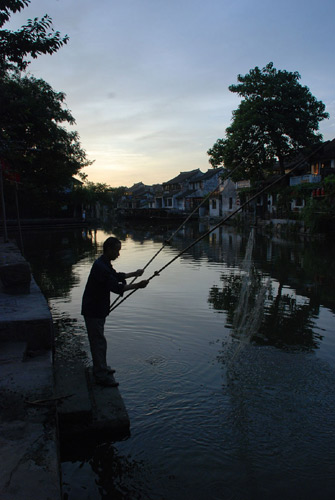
[34, 38]
[276, 118]
[32, 137]
[90, 193]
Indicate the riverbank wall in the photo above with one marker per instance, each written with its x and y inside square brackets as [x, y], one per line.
[28, 425]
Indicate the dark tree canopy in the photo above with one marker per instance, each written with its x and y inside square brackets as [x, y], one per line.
[32, 137]
[34, 140]
[36, 37]
[276, 118]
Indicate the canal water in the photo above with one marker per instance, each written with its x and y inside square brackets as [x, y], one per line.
[226, 363]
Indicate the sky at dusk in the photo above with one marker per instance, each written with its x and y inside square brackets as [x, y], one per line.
[147, 80]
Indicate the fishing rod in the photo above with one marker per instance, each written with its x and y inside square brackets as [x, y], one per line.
[167, 242]
[220, 223]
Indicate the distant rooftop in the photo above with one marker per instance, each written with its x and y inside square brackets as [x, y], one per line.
[183, 176]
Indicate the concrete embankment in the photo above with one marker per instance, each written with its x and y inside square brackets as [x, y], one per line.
[28, 431]
[43, 397]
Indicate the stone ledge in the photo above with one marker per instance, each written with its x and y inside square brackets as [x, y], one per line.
[28, 437]
[90, 411]
[15, 273]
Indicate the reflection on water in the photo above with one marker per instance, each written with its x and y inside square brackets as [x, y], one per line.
[225, 363]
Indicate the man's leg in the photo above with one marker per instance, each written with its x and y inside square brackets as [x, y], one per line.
[98, 345]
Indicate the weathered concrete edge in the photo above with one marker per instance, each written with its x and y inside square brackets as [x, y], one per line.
[29, 438]
[108, 418]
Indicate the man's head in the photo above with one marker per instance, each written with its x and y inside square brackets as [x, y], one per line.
[111, 248]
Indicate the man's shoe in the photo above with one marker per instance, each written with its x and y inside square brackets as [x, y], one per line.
[107, 381]
[110, 370]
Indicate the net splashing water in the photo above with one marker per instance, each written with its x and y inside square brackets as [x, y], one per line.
[250, 307]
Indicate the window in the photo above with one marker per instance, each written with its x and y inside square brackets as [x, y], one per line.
[230, 203]
[315, 169]
[169, 202]
[213, 204]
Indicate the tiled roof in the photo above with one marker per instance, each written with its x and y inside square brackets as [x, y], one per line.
[211, 173]
[183, 176]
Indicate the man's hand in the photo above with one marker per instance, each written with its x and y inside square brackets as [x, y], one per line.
[136, 286]
[142, 284]
[134, 274]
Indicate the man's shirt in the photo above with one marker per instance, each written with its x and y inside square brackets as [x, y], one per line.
[102, 280]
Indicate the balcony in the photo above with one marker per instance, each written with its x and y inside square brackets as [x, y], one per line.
[304, 179]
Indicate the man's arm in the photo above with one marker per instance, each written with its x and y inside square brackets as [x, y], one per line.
[135, 286]
[134, 274]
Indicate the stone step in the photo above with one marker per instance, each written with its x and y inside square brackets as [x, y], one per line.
[86, 409]
[109, 409]
[26, 317]
[71, 386]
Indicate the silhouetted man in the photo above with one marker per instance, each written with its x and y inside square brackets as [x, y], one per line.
[102, 280]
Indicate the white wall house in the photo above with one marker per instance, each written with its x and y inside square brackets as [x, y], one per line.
[229, 197]
[209, 182]
[172, 197]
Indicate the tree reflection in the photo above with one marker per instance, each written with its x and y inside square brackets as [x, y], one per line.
[52, 256]
[119, 477]
[289, 323]
[286, 321]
